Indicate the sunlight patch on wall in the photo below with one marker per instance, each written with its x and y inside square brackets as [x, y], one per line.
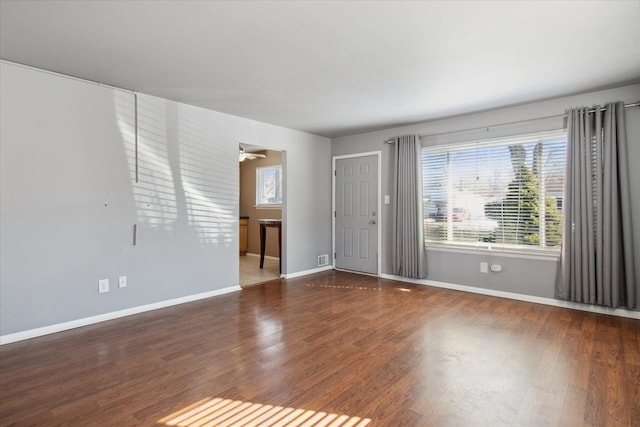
[235, 413]
[154, 193]
[186, 167]
[209, 173]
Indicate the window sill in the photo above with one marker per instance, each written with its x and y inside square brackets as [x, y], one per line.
[486, 250]
[267, 206]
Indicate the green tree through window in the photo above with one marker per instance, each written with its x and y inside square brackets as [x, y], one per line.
[522, 225]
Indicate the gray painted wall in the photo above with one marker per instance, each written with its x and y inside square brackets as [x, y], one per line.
[524, 276]
[69, 198]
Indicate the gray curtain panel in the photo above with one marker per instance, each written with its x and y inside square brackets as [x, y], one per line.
[408, 227]
[597, 249]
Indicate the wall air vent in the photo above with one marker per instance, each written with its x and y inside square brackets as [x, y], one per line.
[323, 260]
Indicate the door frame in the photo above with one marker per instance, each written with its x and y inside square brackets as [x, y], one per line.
[283, 206]
[378, 154]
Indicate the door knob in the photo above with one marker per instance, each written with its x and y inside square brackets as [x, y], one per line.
[373, 221]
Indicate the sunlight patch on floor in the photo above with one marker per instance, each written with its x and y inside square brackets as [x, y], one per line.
[220, 412]
[362, 288]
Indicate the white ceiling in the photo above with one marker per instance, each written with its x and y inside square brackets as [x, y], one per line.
[332, 68]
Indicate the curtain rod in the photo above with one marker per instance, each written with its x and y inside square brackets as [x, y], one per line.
[392, 140]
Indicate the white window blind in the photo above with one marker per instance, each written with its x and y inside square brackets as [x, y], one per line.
[504, 192]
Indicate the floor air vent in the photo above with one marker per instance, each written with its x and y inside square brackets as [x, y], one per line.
[323, 260]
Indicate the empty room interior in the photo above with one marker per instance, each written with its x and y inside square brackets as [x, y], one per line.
[319, 213]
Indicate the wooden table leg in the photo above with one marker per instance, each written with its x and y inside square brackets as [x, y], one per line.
[263, 241]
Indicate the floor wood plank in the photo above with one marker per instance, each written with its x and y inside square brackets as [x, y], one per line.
[331, 348]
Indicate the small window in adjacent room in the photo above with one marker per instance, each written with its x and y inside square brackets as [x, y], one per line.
[269, 186]
[498, 194]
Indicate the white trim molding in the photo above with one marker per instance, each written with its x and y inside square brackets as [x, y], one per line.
[520, 297]
[59, 327]
[307, 272]
[493, 251]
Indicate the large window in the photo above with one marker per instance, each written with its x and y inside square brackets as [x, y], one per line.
[269, 186]
[499, 193]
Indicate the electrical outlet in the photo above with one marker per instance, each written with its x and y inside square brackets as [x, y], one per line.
[122, 281]
[103, 286]
[484, 267]
[496, 268]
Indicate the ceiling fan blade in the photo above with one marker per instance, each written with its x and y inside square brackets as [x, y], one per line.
[243, 155]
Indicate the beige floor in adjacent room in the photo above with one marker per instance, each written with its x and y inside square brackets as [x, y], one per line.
[252, 274]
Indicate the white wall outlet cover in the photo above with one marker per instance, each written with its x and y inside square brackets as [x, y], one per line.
[484, 267]
[496, 268]
[387, 199]
[103, 286]
[122, 281]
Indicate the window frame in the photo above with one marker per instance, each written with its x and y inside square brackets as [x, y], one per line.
[481, 247]
[260, 187]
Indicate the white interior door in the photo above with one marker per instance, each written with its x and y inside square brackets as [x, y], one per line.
[356, 214]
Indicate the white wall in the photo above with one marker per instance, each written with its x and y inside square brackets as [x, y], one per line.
[69, 198]
[525, 276]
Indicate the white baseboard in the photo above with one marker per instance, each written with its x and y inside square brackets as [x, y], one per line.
[520, 297]
[59, 327]
[266, 256]
[306, 272]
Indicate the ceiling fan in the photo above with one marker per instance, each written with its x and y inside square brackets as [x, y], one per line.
[249, 156]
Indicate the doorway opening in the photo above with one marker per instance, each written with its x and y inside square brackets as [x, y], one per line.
[262, 199]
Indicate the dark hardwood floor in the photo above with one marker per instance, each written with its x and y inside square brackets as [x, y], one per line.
[332, 349]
